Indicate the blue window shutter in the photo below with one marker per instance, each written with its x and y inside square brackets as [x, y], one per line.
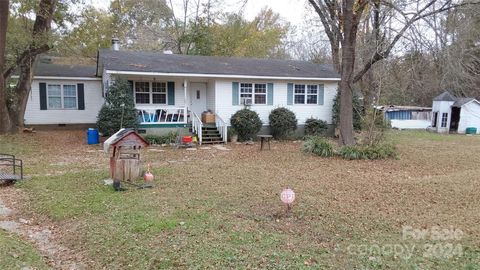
[321, 94]
[290, 94]
[234, 93]
[43, 96]
[270, 94]
[81, 96]
[171, 93]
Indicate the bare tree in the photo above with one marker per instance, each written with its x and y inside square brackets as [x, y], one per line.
[341, 20]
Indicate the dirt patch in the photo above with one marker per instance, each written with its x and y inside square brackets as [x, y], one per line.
[41, 235]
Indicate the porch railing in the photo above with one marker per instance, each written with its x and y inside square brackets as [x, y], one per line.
[197, 126]
[162, 116]
[222, 127]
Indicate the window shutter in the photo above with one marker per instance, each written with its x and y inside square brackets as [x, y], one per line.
[130, 91]
[171, 93]
[321, 94]
[290, 94]
[270, 94]
[81, 96]
[43, 96]
[234, 93]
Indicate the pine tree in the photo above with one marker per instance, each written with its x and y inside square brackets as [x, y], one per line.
[118, 111]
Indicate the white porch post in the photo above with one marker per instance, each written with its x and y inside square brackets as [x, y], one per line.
[185, 97]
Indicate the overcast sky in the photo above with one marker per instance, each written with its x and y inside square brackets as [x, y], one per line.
[290, 10]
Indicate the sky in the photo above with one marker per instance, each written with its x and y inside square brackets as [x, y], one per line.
[292, 11]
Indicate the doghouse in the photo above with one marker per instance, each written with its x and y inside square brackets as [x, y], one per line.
[125, 163]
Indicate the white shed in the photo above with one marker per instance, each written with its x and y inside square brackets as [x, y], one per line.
[453, 114]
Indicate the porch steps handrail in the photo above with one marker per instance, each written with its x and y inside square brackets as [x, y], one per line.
[197, 126]
[222, 127]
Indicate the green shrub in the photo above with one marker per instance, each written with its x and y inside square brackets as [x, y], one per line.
[118, 111]
[318, 146]
[381, 151]
[282, 122]
[161, 139]
[247, 124]
[315, 126]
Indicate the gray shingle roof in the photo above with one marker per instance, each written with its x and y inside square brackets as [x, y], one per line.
[173, 63]
[445, 96]
[55, 70]
[462, 101]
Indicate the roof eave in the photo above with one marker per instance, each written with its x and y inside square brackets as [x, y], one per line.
[231, 76]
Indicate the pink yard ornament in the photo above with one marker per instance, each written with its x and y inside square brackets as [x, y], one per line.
[288, 197]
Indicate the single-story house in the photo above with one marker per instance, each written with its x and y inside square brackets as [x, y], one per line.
[63, 95]
[407, 117]
[454, 114]
[172, 91]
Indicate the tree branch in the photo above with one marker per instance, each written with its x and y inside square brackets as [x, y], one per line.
[26, 55]
[379, 55]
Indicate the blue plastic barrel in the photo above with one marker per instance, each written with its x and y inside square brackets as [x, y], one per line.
[92, 136]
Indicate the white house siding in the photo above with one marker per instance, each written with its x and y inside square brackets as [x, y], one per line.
[469, 117]
[442, 107]
[93, 103]
[211, 95]
[224, 107]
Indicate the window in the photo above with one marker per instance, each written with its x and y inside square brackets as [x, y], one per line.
[69, 97]
[159, 93]
[260, 93]
[312, 94]
[306, 94]
[444, 119]
[253, 93]
[62, 96]
[142, 92]
[246, 93]
[299, 94]
[435, 118]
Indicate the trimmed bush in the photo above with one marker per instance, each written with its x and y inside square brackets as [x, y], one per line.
[118, 110]
[318, 146]
[247, 124]
[315, 127]
[282, 122]
[161, 139]
[381, 151]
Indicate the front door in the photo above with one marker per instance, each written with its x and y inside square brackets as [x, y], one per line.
[198, 98]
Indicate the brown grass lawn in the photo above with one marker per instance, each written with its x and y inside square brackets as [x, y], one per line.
[221, 209]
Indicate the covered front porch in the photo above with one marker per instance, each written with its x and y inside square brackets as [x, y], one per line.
[166, 102]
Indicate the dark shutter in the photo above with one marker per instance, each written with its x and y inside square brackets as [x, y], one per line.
[81, 96]
[270, 93]
[43, 96]
[290, 94]
[130, 91]
[171, 93]
[235, 96]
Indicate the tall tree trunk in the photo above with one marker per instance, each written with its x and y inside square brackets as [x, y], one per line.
[4, 115]
[24, 64]
[350, 26]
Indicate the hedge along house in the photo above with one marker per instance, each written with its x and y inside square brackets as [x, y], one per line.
[173, 90]
[453, 114]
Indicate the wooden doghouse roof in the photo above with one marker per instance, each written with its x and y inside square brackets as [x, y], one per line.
[124, 137]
